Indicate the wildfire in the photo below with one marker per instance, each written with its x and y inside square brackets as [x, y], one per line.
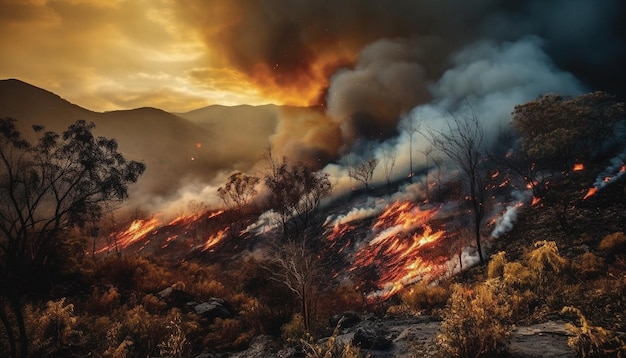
[135, 231]
[578, 167]
[396, 250]
[591, 192]
[214, 239]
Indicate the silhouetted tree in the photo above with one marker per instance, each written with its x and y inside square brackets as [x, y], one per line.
[59, 182]
[361, 164]
[558, 130]
[462, 143]
[389, 161]
[295, 194]
[237, 193]
[411, 126]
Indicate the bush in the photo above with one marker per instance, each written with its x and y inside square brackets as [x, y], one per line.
[425, 296]
[590, 341]
[613, 243]
[589, 265]
[476, 323]
[53, 328]
[330, 347]
[293, 331]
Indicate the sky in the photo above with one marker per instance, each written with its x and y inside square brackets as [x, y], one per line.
[182, 55]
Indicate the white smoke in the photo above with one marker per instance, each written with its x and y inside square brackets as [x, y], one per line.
[505, 222]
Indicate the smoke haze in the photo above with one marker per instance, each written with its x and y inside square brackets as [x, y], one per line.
[365, 65]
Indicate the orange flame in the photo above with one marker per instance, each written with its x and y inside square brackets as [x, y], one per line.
[136, 230]
[396, 255]
[591, 192]
[578, 167]
[214, 239]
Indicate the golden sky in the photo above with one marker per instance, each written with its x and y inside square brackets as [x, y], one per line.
[117, 54]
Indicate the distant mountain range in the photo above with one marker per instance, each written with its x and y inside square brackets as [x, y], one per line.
[176, 147]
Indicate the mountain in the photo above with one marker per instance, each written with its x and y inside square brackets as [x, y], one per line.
[178, 148]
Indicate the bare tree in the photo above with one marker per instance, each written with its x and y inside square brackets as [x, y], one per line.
[427, 152]
[462, 142]
[410, 125]
[237, 194]
[47, 188]
[300, 271]
[361, 164]
[438, 161]
[389, 161]
[296, 193]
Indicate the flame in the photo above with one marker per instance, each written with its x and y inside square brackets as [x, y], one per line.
[184, 219]
[578, 167]
[396, 250]
[216, 213]
[591, 192]
[214, 239]
[339, 230]
[136, 230]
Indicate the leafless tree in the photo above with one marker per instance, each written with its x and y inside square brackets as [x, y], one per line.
[389, 161]
[410, 125]
[361, 164]
[427, 152]
[462, 142]
[295, 194]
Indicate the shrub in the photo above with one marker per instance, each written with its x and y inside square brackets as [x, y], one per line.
[330, 347]
[293, 331]
[589, 265]
[495, 268]
[476, 323]
[613, 243]
[54, 328]
[425, 296]
[591, 341]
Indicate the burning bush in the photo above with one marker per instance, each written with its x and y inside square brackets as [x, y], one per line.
[477, 321]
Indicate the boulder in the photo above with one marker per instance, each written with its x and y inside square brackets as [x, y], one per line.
[214, 308]
[372, 336]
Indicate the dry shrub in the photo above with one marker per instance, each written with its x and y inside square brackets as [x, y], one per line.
[495, 268]
[518, 276]
[153, 304]
[176, 344]
[293, 331]
[53, 327]
[476, 323]
[425, 296]
[589, 265]
[592, 341]
[613, 243]
[330, 347]
[228, 333]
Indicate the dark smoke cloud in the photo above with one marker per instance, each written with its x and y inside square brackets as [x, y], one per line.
[374, 60]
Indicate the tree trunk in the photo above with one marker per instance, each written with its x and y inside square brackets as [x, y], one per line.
[7, 325]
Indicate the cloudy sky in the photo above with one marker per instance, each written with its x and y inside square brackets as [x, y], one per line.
[182, 55]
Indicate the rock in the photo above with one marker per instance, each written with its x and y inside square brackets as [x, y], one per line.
[175, 297]
[350, 319]
[372, 336]
[214, 308]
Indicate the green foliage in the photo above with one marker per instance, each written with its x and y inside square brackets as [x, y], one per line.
[591, 341]
[477, 321]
